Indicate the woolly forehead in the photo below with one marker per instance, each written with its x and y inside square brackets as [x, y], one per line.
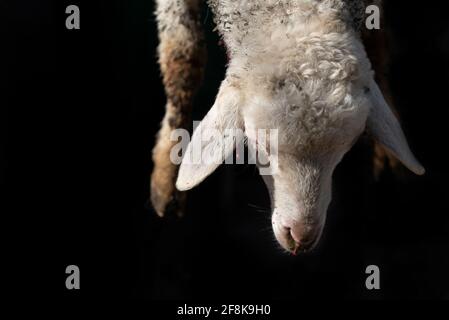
[320, 113]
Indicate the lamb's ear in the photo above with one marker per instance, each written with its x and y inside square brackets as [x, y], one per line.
[208, 147]
[385, 127]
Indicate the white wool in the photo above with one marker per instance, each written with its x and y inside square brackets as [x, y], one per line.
[299, 66]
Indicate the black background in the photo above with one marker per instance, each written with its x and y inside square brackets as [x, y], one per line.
[82, 110]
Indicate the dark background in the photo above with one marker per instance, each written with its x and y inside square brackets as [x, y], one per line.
[82, 110]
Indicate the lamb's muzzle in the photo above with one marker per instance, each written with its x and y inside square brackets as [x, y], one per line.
[298, 67]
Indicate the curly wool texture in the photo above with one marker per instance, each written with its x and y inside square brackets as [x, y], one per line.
[243, 17]
[298, 67]
[302, 62]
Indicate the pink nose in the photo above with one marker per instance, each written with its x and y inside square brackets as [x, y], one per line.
[294, 236]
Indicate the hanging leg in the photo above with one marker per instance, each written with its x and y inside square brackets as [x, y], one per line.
[182, 57]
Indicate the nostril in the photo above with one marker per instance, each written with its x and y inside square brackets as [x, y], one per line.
[293, 245]
[294, 236]
[298, 242]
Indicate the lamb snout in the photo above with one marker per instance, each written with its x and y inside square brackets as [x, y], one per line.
[293, 235]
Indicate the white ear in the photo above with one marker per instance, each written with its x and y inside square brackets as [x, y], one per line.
[208, 147]
[385, 127]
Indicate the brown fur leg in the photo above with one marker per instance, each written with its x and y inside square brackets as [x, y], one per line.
[182, 58]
